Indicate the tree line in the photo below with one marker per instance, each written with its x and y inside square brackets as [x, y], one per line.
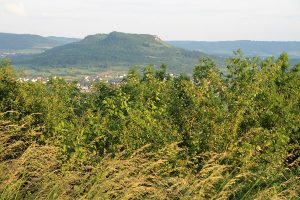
[155, 136]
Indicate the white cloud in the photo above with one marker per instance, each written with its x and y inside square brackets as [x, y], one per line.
[16, 8]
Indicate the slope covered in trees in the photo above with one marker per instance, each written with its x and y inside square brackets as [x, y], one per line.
[153, 136]
[250, 48]
[115, 50]
[10, 41]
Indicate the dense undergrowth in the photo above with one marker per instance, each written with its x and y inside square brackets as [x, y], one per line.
[153, 136]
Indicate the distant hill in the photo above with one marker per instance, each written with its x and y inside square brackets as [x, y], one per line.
[18, 43]
[249, 48]
[115, 50]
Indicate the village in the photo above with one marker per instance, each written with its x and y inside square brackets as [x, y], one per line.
[84, 83]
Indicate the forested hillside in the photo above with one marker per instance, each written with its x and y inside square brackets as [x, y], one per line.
[114, 50]
[250, 48]
[153, 136]
[10, 41]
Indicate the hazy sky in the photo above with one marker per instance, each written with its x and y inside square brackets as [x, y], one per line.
[169, 19]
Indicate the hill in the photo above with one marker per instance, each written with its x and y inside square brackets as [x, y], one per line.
[249, 48]
[27, 43]
[114, 50]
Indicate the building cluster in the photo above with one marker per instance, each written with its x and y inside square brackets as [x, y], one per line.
[6, 54]
[34, 79]
[84, 83]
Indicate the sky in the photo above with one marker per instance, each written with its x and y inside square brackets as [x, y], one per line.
[203, 20]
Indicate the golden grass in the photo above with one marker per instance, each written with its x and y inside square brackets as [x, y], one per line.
[29, 170]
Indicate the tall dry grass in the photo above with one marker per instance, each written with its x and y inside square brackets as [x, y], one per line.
[32, 170]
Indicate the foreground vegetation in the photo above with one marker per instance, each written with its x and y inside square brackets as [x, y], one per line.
[209, 136]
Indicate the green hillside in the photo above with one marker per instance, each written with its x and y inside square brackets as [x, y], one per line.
[114, 50]
[249, 48]
[28, 43]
